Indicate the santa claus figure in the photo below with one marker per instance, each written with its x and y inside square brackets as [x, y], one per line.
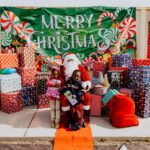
[71, 63]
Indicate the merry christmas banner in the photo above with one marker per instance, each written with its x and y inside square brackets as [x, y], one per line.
[82, 30]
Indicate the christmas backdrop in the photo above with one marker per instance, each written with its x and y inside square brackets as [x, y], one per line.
[81, 30]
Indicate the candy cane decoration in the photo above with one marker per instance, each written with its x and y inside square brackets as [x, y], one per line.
[103, 15]
[131, 40]
[10, 22]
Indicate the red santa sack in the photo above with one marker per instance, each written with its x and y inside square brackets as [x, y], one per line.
[95, 105]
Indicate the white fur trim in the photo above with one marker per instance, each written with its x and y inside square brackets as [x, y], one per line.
[66, 108]
[86, 84]
[86, 107]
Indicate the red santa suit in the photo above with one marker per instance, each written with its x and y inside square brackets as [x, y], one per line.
[86, 84]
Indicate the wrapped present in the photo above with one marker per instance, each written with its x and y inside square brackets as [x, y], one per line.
[117, 68]
[27, 76]
[139, 73]
[11, 102]
[43, 101]
[125, 91]
[100, 89]
[141, 62]
[10, 82]
[95, 105]
[98, 66]
[117, 78]
[27, 57]
[121, 60]
[41, 79]
[41, 86]
[9, 61]
[29, 95]
[141, 96]
[42, 75]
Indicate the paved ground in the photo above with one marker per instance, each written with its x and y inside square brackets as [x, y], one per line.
[31, 122]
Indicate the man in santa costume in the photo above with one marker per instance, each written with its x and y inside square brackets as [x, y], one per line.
[71, 63]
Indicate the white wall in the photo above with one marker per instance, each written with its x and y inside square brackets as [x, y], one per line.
[143, 17]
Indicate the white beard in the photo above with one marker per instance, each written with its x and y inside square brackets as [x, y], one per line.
[70, 67]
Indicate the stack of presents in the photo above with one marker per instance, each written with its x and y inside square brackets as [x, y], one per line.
[23, 86]
[26, 86]
[128, 76]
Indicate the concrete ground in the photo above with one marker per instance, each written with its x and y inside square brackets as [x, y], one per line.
[31, 127]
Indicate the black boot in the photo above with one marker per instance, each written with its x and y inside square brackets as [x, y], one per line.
[83, 124]
[86, 115]
[70, 120]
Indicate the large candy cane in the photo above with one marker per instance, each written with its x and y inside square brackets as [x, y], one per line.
[103, 15]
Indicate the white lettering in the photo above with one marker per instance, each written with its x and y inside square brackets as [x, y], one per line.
[89, 20]
[91, 41]
[69, 21]
[45, 25]
[79, 21]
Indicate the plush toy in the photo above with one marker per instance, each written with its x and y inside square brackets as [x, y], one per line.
[121, 110]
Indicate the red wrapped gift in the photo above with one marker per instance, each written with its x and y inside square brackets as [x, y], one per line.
[27, 76]
[9, 61]
[141, 62]
[95, 105]
[42, 75]
[125, 91]
[27, 57]
[43, 101]
[11, 102]
[98, 66]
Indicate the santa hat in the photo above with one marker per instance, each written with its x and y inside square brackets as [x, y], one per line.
[67, 54]
[56, 68]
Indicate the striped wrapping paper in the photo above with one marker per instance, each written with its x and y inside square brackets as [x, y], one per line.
[29, 95]
[27, 57]
[9, 61]
[141, 62]
[121, 60]
[27, 76]
[11, 102]
[43, 101]
[141, 96]
[139, 73]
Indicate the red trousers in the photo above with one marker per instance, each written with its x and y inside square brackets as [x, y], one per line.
[66, 105]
